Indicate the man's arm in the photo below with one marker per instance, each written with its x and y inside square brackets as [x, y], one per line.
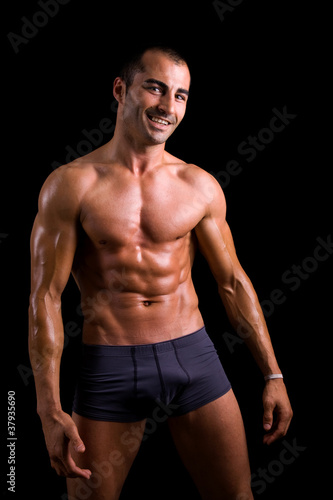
[53, 245]
[243, 308]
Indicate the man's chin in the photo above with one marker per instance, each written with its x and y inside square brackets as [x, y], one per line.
[159, 137]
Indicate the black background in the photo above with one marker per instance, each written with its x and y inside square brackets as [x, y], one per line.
[256, 57]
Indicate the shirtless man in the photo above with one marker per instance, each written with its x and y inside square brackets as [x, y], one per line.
[126, 220]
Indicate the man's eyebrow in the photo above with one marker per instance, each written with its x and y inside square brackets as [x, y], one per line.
[164, 85]
[158, 82]
[183, 91]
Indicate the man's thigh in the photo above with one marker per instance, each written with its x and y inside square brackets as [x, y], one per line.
[211, 442]
[110, 451]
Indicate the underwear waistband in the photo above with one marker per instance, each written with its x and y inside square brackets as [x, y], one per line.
[145, 349]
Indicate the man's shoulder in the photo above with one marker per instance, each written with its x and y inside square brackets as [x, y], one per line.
[200, 179]
[205, 188]
[192, 172]
[65, 188]
[74, 176]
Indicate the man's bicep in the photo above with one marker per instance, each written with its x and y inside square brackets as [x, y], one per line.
[53, 244]
[52, 253]
[215, 242]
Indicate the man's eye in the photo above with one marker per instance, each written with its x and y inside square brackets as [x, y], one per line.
[155, 89]
[180, 97]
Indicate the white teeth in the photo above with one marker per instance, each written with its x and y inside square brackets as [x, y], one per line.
[159, 120]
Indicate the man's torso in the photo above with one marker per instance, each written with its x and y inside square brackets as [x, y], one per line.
[135, 253]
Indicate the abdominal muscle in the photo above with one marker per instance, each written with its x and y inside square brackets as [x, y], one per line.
[127, 300]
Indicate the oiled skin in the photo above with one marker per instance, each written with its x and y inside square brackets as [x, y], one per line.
[126, 220]
[133, 266]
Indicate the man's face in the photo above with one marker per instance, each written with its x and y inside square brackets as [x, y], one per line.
[156, 101]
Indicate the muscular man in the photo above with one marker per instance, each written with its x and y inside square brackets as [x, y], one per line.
[126, 220]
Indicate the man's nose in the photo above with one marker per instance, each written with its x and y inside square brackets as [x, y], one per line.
[167, 104]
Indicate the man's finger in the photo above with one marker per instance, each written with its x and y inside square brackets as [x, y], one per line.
[273, 436]
[75, 471]
[62, 458]
[278, 429]
[72, 470]
[73, 435]
[268, 417]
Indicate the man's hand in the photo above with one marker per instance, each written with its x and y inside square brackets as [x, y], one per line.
[61, 434]
[277, 410]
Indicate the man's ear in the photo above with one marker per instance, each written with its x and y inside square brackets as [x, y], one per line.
[119, 89]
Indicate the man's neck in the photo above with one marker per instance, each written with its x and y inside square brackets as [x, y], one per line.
[138, 158]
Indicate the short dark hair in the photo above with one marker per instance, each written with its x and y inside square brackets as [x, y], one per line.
[135, 65]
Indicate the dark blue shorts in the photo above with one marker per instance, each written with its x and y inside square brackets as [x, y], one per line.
[126, 383]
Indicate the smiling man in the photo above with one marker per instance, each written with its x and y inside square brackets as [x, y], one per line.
[126, 220]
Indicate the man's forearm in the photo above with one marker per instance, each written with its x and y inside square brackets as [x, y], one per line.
[246, 316]
[45, 350]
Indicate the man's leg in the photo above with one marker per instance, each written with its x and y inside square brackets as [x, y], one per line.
[211, 442]
[110, 451]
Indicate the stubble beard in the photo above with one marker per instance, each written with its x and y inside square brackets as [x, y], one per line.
[138, 130]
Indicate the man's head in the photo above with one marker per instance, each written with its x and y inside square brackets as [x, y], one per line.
[136, 65]
[152, 92]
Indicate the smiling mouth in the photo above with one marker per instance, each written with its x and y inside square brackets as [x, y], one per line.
[156, 119]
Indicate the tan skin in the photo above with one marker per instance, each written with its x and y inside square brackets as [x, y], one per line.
[126, 221]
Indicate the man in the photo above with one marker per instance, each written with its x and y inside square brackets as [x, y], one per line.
[126, 220]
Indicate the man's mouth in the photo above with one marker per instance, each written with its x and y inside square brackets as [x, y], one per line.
[157, 119]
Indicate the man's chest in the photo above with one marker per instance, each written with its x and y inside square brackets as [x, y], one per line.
[160, 211]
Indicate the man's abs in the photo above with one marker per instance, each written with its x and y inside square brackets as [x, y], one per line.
[138, 295]
[128, 318]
